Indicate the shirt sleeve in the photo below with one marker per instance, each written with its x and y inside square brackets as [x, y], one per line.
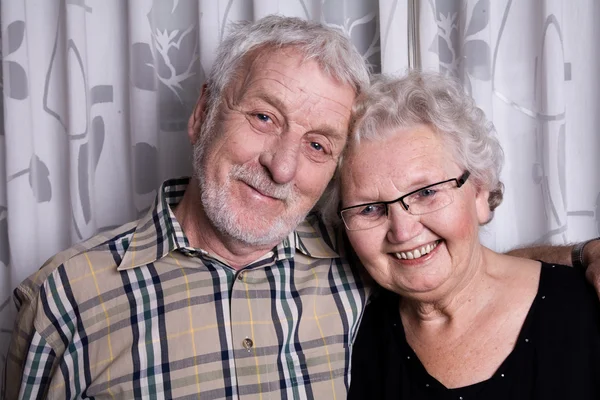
[31, 359]
[38, 368]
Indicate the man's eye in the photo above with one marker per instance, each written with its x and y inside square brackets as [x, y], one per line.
[262, 117]
[316, 146]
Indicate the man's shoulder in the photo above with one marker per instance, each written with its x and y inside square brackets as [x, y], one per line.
[105, 248]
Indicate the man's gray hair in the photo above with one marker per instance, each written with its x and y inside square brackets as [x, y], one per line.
[330, 47]
[391, 104]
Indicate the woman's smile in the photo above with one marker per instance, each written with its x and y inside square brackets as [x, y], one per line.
[418, 252]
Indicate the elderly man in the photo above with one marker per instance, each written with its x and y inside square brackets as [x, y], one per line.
[226, 288]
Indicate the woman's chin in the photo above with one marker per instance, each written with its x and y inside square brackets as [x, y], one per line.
[418, 287]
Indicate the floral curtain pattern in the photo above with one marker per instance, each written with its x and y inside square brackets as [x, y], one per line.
[529, 64]
[96, 96]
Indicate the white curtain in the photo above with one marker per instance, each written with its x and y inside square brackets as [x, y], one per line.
[531, 65]
[96, 96]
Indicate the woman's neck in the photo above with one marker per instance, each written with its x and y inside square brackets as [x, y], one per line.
[458, 300]
[476, 326]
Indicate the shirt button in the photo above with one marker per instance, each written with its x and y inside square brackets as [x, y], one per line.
[247, 343]
[241, 276]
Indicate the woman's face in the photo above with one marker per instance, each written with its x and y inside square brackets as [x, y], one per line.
[387, 169]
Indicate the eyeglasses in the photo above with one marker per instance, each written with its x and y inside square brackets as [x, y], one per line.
[425, 200]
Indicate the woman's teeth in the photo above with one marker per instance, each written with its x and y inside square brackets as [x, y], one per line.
[417, 253]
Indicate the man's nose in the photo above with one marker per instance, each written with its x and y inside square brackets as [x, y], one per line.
[402, 226]
[281, 158]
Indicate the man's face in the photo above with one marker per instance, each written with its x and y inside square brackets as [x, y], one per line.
[274, 147]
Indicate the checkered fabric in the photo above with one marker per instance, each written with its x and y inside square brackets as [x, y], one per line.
[138, 313]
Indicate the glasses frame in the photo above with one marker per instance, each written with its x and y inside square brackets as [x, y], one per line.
[459, 182]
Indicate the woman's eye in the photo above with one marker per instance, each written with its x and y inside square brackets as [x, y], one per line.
[426, 193]
[367, 210]
[371, 210]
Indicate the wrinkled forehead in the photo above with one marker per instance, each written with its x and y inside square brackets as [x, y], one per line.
[294, 85]
[268, 57]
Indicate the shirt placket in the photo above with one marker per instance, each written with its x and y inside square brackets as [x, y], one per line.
[253, 334]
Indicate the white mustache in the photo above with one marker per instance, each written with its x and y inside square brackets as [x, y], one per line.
[260, 181]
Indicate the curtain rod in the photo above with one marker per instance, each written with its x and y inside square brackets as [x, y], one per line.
[414, 56]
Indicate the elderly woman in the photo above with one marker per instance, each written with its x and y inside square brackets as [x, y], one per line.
[453, 320]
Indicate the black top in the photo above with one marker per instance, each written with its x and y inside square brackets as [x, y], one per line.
[557, 354]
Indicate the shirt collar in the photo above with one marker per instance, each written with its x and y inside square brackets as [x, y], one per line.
[314, 239]
[158, 233]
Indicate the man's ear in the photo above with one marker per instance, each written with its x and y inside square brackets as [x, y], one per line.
[198, 116]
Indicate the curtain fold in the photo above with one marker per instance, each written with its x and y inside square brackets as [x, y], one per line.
[519, 60]
[96, 95]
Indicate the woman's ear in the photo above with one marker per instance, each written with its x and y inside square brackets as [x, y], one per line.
[198, 115]
[483, 207]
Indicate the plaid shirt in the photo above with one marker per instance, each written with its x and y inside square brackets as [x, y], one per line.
[138, 313]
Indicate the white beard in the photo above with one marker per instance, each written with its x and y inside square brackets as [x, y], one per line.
[241, 224]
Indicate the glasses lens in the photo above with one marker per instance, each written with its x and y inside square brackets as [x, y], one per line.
[364, 217]
[430, 199]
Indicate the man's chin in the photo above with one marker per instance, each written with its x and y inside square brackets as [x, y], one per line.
[256, 236]
[258, 232]
[247, 223]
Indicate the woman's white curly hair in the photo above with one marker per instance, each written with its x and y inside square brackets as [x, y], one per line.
[392, 103]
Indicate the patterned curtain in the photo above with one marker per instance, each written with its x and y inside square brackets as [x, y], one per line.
[531, 66]
[96, 96]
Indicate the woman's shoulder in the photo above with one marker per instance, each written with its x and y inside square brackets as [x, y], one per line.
[376, 347]
[561, 295]
[565, 280]
[566, 326]
[567, 289]
[382, 303]
[566, 313]
[378, 321]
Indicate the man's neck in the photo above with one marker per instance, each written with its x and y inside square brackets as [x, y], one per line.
[201, 234]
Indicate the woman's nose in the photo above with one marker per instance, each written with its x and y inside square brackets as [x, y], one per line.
[402, 226]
